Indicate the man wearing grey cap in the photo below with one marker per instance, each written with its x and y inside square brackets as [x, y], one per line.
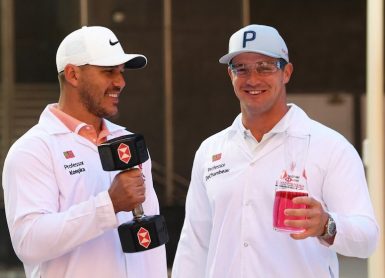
[62, 208]
[239, 175]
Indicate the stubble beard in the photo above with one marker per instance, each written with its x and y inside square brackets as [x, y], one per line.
[94, 105]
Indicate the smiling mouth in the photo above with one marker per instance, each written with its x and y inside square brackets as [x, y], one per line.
[255, 92]
[114, 95]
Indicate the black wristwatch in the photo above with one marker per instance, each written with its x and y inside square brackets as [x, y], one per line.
[330, 228]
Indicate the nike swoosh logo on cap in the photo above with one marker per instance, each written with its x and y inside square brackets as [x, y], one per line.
[113, 43]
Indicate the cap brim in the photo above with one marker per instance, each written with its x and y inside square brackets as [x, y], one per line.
[130, 61]
[136, 62]
[228, 57]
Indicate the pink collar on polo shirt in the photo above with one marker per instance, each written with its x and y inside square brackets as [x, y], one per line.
[83, 129]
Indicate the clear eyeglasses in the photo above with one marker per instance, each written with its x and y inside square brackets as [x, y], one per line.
[263, 67]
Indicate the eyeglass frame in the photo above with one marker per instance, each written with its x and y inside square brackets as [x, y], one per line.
[279, 65]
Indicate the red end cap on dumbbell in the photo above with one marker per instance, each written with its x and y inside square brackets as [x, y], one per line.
[123, 152]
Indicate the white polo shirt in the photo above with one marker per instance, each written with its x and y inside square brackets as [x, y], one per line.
[60, 216]
[228, 229]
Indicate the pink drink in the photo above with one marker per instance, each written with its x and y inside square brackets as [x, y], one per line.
[283, 200]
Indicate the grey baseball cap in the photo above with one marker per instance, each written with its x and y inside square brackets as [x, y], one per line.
[257, 39]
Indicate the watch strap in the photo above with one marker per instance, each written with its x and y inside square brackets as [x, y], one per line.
[330, 228]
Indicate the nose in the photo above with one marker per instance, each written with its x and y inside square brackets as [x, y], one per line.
[119, 80]
[253, 78]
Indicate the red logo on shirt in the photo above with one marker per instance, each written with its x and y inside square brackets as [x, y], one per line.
[68, 154]
[124, 153]
[144, 237]
[216, 157]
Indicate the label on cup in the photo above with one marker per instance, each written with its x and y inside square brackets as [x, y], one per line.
[286, 190]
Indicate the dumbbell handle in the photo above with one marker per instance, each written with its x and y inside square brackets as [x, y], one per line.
[111, 160]
[138, 212]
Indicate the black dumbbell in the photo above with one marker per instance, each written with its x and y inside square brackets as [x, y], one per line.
[143, 232]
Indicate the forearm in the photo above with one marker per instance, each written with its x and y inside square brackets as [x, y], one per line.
[356, 235]
[38, 237]
[346, 198]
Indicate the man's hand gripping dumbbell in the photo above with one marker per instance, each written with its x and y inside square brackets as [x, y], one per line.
[128, 193]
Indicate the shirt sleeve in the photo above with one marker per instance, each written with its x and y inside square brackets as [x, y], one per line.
[192, 252]
[346, 197]
[39, 231]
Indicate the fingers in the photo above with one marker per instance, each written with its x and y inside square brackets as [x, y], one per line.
[133, 173]
[309, 201]
[313, 218]
[133, 177]
[132, 182]
[127, 190]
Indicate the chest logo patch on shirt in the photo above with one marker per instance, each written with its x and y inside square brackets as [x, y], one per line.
[124, 153]
[68, 154]
[216, 157]
[144, 237]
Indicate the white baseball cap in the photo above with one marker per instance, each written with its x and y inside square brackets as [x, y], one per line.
[258, 39]
[96, 46]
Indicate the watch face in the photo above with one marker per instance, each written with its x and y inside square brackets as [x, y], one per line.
[330, 230]
[331, 227]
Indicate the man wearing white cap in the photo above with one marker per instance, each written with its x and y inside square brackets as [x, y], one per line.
[62, 208]
[228, 228]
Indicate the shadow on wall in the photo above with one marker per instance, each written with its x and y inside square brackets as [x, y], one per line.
[8, 257]
[174, 219]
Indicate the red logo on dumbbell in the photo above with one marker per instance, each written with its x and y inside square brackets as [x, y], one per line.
[124, 153]
[144, 237]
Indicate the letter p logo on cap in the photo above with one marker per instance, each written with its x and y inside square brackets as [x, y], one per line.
[248, 36]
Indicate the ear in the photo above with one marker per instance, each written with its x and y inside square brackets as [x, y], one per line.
[71, 74]
[287, 71]
[230, 74]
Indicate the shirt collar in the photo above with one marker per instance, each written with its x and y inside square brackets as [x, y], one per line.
[286, 124]
[72, 123]
[53, 125]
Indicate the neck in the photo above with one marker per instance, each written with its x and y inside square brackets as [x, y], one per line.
[261, 123]
[82, 115]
